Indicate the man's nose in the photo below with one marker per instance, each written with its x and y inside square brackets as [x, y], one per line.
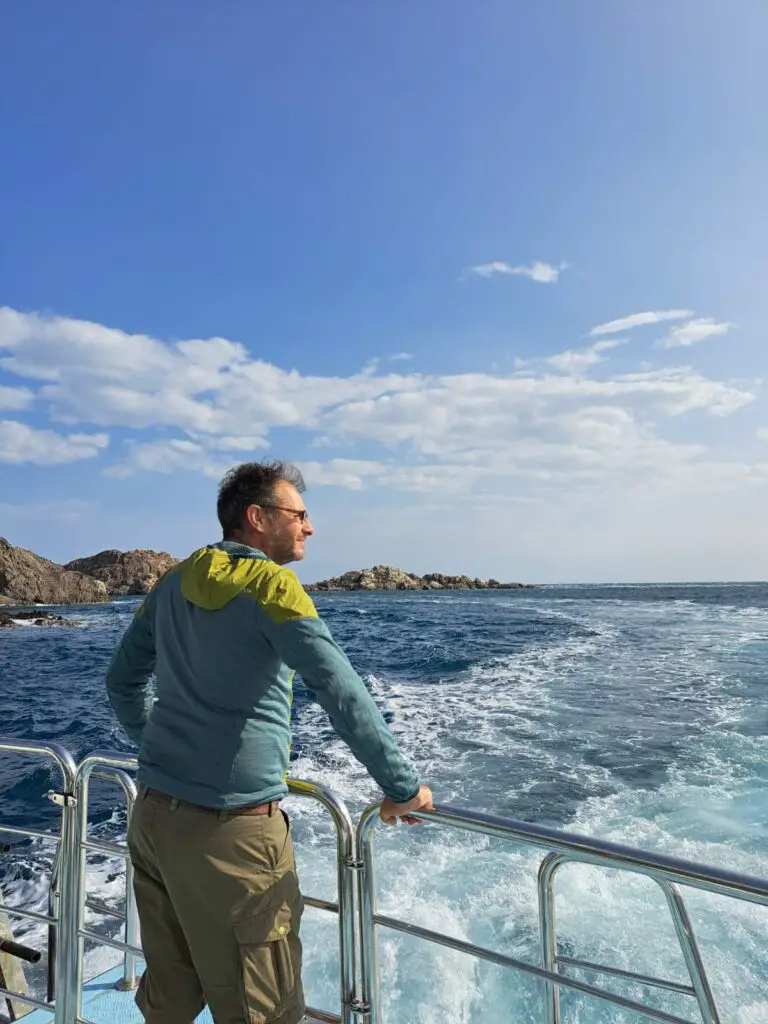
[307, 528]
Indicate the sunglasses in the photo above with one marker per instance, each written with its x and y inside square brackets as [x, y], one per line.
[298, 513]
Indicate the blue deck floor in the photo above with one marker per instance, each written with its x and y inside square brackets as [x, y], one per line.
[105, 1004]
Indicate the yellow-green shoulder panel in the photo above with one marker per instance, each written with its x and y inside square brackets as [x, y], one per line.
[281, 595]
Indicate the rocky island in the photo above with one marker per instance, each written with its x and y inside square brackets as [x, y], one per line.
[386, 577]
[27, 578]
[125, 572]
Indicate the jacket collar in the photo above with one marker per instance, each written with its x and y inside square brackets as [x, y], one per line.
[238, 550]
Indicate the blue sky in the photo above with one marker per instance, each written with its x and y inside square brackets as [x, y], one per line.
[390, 241]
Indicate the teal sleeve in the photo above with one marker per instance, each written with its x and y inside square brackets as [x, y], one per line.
[129, 676]
[306, 646]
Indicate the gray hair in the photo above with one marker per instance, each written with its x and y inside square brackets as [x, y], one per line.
[252, 483]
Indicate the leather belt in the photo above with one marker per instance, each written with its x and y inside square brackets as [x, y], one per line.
[228, 812]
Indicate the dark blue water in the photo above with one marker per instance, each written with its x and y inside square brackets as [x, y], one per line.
[638, 714]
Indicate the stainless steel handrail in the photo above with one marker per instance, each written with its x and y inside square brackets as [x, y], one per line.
[56, 918]
[108, 762]
[668, 872]
[700, 988]
[97, 766]
[346, 865]
[128, 786]
[359, 990]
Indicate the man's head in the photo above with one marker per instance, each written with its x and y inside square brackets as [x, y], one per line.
[260, 505]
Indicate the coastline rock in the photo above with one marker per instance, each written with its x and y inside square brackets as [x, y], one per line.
[125, 572]
[26, 578]
[387, 577]
[10, 620]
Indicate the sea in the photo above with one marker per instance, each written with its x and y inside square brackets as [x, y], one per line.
[636, 714]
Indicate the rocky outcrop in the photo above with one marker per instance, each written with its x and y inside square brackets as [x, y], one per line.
[125, 572]
[11, 619]
[26, 578]
[386, 577]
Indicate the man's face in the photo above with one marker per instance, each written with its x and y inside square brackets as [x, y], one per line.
[283, 531]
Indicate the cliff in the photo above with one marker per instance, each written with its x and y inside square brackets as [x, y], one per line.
[26, 578]
[125, 572]
[386, 577]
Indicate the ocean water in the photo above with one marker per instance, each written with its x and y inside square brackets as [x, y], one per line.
[635, 714]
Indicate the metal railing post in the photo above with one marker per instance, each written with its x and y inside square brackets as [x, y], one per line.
[65, 799]
[346, 871]
[128, 786]
[691, 954]
[53, 911]
[110, 764]
[366, 881]
[548, 933]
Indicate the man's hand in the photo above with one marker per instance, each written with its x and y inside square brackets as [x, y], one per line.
[390, 812]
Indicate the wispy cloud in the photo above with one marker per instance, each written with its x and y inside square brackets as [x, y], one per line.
[626, 323]
[576, 359]
[401, 357]
[693, 332]
[543, 273]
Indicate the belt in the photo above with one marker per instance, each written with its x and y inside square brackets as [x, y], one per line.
[228, 812]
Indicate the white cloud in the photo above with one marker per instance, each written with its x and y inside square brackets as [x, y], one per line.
[553, 426]
[239, 444]
[168, 457]
[576, 359]
[401, 357]
[349, 473]
[543, 273]
[15, 399]
[626, 323]
[467, 411]
[20, 443]
[565, 469]
[101, 375]
[693, 332]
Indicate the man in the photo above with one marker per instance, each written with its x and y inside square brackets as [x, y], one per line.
[215, 877]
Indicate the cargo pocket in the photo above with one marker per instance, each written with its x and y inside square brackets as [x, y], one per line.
[270, 964]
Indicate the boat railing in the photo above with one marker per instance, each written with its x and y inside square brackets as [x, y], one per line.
[113, 765]
[358, 918]
[56, 756]
[128, 786]
[562, 847]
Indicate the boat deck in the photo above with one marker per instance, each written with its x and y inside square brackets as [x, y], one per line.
[103, 1003]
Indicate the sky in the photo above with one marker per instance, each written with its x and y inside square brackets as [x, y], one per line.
[493, 275]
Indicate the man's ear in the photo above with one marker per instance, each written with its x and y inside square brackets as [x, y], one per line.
[254, 516]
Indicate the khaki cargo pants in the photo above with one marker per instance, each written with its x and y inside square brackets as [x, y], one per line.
[220, 908]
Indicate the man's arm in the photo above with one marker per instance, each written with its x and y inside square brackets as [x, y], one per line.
[129, 676]
[302, 640]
